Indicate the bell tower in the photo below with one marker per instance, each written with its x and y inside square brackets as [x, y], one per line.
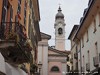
[59, 30]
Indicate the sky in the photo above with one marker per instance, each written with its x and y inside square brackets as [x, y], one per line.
[72, 10]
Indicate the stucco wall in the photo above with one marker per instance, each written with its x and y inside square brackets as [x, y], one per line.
[90, 45]
[58, 61]
[2, 64]
[58, 64]
[73, 51]
[43, 56]
[59, 39]
[12, 70]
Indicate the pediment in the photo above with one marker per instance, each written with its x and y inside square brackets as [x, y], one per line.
[52, 52]
[56, 52]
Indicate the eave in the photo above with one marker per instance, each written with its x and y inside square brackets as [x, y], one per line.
[45, 36]
[73, 29]
[60, 52]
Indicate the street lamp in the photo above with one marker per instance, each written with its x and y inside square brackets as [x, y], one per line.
[39, 66]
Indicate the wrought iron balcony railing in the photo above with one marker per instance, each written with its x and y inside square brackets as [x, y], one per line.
[71, 60]
[83, 70]
[96, 61]
[13, 43]
[87, 66]
[76, 56]
[12, 31]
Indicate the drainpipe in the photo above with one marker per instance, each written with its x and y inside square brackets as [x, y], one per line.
[80, 56]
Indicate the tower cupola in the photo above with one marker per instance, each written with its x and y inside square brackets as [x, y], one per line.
[59, 14]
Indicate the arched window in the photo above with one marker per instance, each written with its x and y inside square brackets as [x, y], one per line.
[60, 31]
[55, 69]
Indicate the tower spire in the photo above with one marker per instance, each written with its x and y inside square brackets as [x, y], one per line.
[59, 14]
[59, 9]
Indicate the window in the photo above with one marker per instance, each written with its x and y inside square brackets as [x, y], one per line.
[25, 13]
[87, 34]
[29, 27]
[4, 15]
[67, 58]
[16, 22]
[30, 3]
[19, 7]
[82, 42]
[68, 68]
[83, 61]
[32, 13]
[76, 65]
[60, 31]
[4, 10]
[76, 49]
[3, 19]
[11, 16]
[88, 56]
[5, 2]
[19, 1]
[94, 24]
[96, 48]
[55, 69]
[24, 21]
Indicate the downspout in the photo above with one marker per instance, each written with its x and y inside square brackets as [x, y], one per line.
[80, 56]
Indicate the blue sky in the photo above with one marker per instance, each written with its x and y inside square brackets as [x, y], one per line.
[72, 10]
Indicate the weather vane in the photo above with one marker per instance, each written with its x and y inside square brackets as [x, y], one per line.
[59, 4]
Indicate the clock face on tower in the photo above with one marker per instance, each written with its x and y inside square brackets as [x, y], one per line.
[60, 31]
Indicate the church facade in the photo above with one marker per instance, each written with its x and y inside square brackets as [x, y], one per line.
[53, 60]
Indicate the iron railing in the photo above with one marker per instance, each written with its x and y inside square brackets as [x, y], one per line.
[87, 66]
[96, 61]
[12, 31]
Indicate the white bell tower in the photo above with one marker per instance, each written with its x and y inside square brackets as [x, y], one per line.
[59, 30]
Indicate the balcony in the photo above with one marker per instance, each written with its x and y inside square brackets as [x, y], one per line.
[13, 44]
[96, 61]
[76, 56]
[87, 66]
[83, 70]
[71, 60]
[33, 68]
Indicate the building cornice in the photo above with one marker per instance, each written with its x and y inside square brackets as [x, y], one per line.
[59, 55]
[45, 36]
[74, 28]
[57, 60]
[84, 17]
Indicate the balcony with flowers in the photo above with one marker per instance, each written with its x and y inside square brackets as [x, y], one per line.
[13, 43]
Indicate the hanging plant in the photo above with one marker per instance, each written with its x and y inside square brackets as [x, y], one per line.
[28, 47]
[13, 36]
[33, 68]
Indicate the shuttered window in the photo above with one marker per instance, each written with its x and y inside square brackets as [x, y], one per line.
[11, 17]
